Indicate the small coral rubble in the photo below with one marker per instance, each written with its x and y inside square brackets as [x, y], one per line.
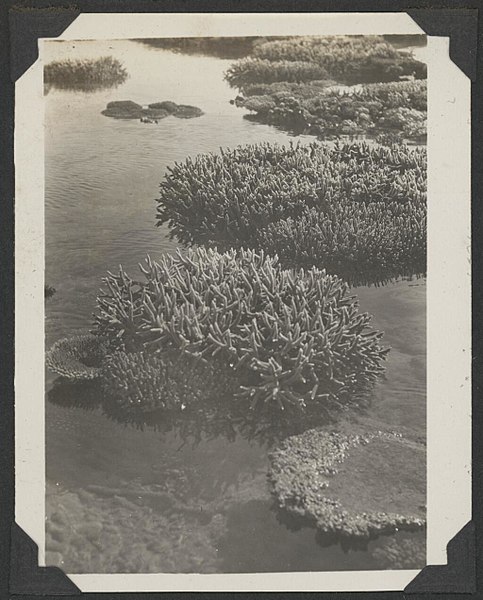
[326, 478]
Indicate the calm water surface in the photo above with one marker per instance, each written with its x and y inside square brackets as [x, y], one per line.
[134, 499]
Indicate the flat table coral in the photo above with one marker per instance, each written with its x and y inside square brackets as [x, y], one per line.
[77, 358]
[359, 486]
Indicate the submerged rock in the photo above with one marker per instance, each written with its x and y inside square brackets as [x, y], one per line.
[182, 111]
[185, 111]
[356, 486]
[126, 109]
[166, 105]
[123, 109]
[49, 291]
[398, 552]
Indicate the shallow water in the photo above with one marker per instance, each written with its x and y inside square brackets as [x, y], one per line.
[127, 499]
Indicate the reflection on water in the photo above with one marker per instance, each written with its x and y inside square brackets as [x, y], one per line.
[178, 495]
[198, 421]
[228, 47]
[87, 88]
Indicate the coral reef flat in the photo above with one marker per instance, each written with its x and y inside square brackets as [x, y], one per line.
[178, 483]
[290, 84]
[358, 485]
[397, 108]
[187, 543]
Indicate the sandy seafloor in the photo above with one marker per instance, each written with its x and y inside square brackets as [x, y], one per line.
[122, 498]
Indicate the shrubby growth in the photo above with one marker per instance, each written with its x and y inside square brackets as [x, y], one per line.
[292, 338]
[355, 210]
[347, 59]
[102, 73]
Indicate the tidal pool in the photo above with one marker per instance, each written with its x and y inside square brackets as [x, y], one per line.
[131, 498]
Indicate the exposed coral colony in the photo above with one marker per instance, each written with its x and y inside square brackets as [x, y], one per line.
[258, 309]
[356, 210]
[293, 84]
[87, 74]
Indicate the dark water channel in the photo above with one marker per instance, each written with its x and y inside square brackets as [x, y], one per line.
[122, 498]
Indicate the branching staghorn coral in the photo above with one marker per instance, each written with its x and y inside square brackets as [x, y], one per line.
[293, 338]
[77, 358]
[357, 211]
[347, 59]
[145, 382]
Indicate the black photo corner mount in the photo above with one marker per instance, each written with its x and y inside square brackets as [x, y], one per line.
[27, 578]
[27, 25]
[458, 576]
[460, 25]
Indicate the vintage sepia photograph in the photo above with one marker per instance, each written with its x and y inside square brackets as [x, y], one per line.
[235, 304]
